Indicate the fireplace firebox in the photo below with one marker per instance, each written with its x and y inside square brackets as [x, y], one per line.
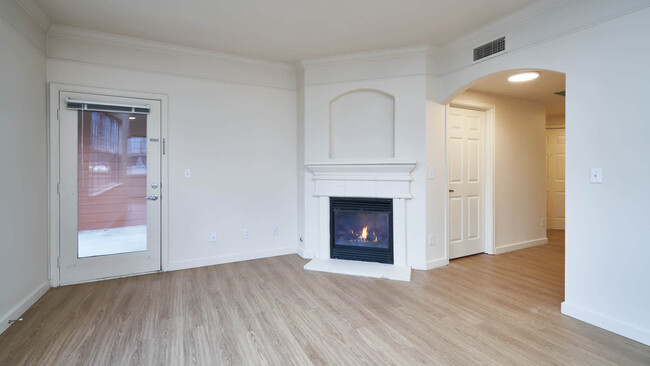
[361, 229]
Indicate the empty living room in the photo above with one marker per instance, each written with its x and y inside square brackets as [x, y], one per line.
[290, 182]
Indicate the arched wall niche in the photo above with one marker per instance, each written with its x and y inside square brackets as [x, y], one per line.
[362, 125]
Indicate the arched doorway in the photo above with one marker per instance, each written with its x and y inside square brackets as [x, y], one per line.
[505, 164]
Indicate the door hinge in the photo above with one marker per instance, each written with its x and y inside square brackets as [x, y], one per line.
[58, 114]
[164, 146]
[58, 189]
[58, 262]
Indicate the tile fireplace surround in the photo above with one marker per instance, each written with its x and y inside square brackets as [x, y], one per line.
[380, 179]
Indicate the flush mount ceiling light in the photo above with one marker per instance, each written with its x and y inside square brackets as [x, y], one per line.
[524, 76]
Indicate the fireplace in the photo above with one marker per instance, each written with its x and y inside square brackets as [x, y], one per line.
[361, 229]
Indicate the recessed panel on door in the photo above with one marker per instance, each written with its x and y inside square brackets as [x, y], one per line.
[473, 217]
[456, 219]
[456, 160]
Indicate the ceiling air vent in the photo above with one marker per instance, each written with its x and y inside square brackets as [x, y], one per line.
[490, 48]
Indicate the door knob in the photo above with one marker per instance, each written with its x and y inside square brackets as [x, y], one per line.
[451, 191]
[153, 197]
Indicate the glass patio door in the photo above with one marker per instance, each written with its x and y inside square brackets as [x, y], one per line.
[110, 186]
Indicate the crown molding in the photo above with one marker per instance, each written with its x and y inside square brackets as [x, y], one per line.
[146, 44]
[380, 54]
[36, 13]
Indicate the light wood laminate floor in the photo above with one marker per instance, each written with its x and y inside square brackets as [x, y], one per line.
[482, 309]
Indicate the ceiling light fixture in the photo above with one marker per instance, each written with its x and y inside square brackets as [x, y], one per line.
[524, 76]
[131, 117]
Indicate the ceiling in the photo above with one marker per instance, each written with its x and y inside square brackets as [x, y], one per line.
[541, 90]
[284, 30]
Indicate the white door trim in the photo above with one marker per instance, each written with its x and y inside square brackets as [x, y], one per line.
[489, 145]
[53, 169]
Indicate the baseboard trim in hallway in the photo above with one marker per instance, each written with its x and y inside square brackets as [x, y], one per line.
[521, 245]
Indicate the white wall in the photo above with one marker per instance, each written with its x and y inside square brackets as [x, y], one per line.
[232, 121]
[607, 251]
[23, 139]
[436, 187]
[555, 121]
[519, 170]
[362, 125]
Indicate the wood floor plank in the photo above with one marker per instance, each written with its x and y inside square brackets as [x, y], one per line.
[494, 310]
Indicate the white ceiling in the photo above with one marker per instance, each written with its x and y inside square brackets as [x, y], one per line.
[284, 30]
[541, 90]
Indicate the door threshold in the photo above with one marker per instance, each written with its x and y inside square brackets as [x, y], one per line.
[110, 278]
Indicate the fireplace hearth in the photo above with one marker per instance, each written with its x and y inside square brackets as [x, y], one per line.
[361, 229]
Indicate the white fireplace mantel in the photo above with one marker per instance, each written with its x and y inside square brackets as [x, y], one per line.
[372, 179]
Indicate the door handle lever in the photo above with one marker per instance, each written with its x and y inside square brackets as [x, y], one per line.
[451, 191]
[153, 197]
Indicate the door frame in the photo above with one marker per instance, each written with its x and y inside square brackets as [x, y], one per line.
[488, 169]
[53, 166]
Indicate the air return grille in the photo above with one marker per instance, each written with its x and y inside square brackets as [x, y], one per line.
[490, 48]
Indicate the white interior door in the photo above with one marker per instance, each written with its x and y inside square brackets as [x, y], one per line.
[555, 194]
[110, 186]
[465, 162]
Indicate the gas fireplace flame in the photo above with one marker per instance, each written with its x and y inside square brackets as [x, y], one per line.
[364, 236]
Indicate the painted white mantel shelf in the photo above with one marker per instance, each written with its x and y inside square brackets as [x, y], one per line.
[387, 179]
[371, 179]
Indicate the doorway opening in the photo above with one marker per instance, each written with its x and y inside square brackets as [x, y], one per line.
[505, 164]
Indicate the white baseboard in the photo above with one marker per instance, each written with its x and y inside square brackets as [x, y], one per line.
[229, 258]
[616, 326]
[23, 305]
[521, 245]
[431, 264]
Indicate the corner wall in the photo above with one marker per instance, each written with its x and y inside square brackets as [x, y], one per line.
[400, 73]
[23, 157]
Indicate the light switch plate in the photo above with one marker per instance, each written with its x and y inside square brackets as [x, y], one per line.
[188, 174]
[431, 174]
[596, 176]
